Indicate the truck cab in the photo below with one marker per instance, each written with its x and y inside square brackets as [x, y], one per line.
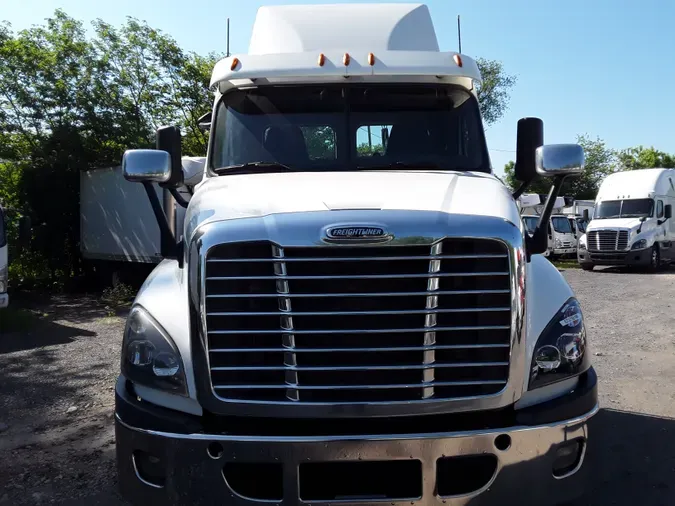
[337, 320]
[632, 221]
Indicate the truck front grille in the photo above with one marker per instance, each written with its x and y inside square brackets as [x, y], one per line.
[343, 324]
[607, 240]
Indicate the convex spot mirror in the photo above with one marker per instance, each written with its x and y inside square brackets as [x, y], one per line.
[151, 165]
[559, 160]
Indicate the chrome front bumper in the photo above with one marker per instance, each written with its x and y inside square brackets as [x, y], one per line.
[194, 464]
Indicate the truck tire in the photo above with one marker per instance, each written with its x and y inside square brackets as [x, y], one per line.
[655, 259]
[587, 267]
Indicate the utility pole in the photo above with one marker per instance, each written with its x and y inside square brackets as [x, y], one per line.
[459, 34]
[228, 38]
[370, 139]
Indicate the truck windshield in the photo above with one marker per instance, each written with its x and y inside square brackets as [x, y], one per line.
[561, 225]
[328, 128]
[531, 223]
[633, 208]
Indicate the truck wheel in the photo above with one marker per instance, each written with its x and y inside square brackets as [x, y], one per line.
[655, 259]
[587, 267]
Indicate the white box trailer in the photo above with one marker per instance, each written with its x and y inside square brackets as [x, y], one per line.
[118, 230]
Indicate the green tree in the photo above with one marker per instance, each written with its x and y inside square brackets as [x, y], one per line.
[644, 158]
[493, 92]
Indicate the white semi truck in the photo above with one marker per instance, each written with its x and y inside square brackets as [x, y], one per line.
[342, 324]
[632, 221]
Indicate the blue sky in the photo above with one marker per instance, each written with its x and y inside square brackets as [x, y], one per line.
[599, 67]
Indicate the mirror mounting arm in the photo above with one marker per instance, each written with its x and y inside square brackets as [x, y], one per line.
[538, 241]
[168, 239]
[519, 191]
[179, 198]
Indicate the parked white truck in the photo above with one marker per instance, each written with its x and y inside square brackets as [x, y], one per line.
[631, 223]
[562, 236]
[341, 324]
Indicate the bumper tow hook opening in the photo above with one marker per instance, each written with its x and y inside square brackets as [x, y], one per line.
[149, 469]
[257, 481]
[215, 451]
[568, 458]
[503, 442]
[456, 476]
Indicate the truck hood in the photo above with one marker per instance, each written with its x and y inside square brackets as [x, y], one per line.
[255, 195]
[613, 223]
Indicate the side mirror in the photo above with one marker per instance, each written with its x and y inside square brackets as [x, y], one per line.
[530, 137]
[586, 215]
[25, 232]
[668, 212]
[168, 139]
[146, 165]
[559, 160]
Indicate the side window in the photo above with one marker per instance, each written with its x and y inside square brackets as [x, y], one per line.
[371, 140]
[320, 142]
[659, 209]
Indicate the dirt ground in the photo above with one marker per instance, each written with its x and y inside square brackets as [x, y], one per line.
[58, 367]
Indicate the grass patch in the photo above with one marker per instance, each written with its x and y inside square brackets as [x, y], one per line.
[117, 297]
[18, 320]
[566, 263]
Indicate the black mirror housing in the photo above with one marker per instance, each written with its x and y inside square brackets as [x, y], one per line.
[668, 211]
[530, 137]
[586, 215]
[168, 139]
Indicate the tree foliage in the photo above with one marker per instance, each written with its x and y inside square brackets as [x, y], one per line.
[69, 103]
[493, 92]
[644, 158]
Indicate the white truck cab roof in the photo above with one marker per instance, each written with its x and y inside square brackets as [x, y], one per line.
[365, 42]
[637, 184]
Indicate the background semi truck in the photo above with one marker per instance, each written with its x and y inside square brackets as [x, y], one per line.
[333, 324]
[632, 221]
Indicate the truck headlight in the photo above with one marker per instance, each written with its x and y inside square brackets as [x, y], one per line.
[149, 356]
[560, 352]
[582, 242]
[558, 243]
[641, 244]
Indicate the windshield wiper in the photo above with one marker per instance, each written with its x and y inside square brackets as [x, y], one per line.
[249, 168]
[400, 165]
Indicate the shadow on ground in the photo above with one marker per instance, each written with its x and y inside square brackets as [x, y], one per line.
[630, 460]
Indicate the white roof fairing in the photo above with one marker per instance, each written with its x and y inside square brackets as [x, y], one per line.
[637, 184]
[287, 41]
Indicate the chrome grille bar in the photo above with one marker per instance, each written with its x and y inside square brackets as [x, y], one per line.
[288, 336]
[360, 294]
[356, 259]
[367, 276]
[362, 331]
[430, 320]
[359, 387]
[365, 368]
[357, 313]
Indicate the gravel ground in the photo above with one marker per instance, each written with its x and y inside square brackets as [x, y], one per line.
[56, 397]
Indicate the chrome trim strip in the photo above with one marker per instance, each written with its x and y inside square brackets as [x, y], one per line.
[364, 276]
[359, 259]
[371, 386]
[430, 365]
[135, 466]
[366, 437]
[361, 331]
[362, 294]
[286, 325]
[360, 313]
[359, 350]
